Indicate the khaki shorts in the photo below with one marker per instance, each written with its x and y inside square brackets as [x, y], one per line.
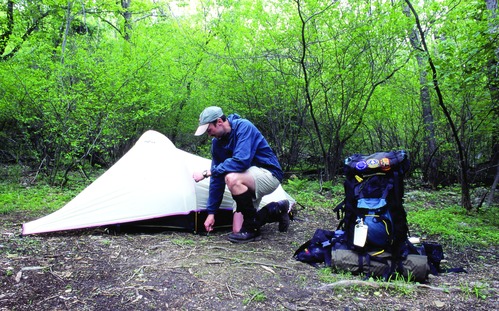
[265, 183]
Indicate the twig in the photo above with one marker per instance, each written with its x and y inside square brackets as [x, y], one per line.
[141, 269]
[230, 293]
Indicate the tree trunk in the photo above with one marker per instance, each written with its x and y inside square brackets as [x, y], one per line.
[463, 161]
[69, 18]
[127, 15]
[306, 87]
[493, 79]
[431, 162]
[490, 198]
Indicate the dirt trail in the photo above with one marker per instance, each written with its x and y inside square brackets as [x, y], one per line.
[96, 270]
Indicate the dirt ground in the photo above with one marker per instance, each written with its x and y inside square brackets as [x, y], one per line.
[98, 270]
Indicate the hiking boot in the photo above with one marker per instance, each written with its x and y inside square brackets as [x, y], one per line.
[284, 213]
[245, 236]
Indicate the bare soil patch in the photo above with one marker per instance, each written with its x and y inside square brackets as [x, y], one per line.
[98, 270]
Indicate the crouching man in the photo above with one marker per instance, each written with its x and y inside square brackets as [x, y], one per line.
[243, 160]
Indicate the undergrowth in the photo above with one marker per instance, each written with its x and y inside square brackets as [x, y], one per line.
[16, 194]
[435, 213]
[35, 198]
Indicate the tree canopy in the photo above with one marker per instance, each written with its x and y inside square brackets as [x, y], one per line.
[82, 80]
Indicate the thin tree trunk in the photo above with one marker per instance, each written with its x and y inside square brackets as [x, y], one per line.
[127, 15]
[66, 30]
[306, 87]
[493, 79]
[430, 171]
[463, 162]
[490, 198]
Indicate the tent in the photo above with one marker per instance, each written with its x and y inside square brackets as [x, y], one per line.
[151, 185]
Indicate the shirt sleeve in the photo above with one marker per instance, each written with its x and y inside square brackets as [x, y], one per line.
[247, 139]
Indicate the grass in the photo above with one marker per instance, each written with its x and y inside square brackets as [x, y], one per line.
[183, 242]
[41, 197]
[16, 196]
[314, 195]
[254, 295]
[398, 285]
[437, 214]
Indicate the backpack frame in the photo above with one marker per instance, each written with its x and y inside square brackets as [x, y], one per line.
[374, 191]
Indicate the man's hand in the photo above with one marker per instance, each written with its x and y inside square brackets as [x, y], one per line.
[209, 222]
[198, 176]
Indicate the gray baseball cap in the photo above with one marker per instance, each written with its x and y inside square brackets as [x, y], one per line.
[208, 115]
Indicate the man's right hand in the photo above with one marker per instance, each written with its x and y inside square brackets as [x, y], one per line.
[197, 176]
[209, 222]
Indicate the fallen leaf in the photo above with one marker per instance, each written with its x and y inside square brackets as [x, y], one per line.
[19, 275]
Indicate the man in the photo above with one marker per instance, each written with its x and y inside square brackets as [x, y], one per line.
[243, 160]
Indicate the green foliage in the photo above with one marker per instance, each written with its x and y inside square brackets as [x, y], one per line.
[21, 191]
[39, 198]
[433, 216]
[311, 193]
[477, 289]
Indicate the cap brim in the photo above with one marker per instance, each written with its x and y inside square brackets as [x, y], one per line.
[201, 129]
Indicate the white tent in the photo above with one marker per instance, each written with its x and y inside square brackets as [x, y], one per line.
[151, 181]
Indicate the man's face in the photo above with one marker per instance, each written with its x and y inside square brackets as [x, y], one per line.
[215, 129]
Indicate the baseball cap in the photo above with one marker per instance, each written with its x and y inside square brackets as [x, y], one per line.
[208, 115]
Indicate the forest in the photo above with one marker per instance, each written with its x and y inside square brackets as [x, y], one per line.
[82, 80]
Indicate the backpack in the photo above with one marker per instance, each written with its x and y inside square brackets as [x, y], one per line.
[374, 191]
[372, 213]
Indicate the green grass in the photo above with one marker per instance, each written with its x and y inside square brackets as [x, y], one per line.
[16, 196]
[254, 295]
[313, 194]
[436, 214]
[41, 197]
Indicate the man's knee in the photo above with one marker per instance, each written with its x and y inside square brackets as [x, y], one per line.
[239, 183]
[232, 180]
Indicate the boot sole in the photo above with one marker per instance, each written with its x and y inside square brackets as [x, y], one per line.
[255, 239]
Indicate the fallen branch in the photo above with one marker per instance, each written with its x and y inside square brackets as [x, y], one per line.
[256, 263]
[347, 283]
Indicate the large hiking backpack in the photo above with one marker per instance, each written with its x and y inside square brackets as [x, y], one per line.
[374, 190]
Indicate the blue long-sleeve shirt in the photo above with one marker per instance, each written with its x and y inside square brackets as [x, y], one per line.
[242, 148]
